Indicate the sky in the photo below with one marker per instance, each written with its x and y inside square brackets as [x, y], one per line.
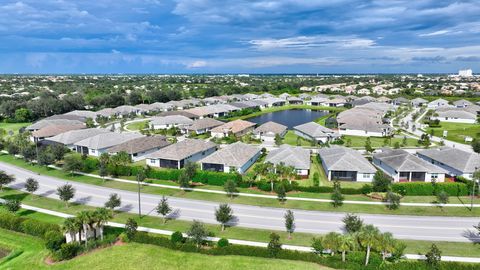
[239, 36]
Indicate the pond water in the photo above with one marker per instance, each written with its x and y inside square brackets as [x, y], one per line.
[289, 118]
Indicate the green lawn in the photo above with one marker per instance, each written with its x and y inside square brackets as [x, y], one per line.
[30, 254]
[13, 126]
[291, 204]
[287, 107]
[291, 139]
[359, 141]
[456, 131]
[137, 125]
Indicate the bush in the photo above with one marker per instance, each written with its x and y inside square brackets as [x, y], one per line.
[223, 242]
[90, 164]
[177, 237]
[54, 240]
[366, 189]
[38, 228]
[10, 221]
[428, 189]
[67, 251]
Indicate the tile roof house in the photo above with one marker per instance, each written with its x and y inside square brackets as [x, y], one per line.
[437, 103]
[268, 131]
[462, 103]
[294, 100]
[418, 102]
[467, 114]
[273, 101]
[294, 156]
[405, 167]
[204, 125]
[98, 144]
[236, 127]
[455, 161]
[182, 113]
[363, 121]
[166, 122]
[71, 137]
[177, 154]
[53, 130]
[83, 113]
[140, 147]
[53, 122]
[316, 132]
[233, 157]
[245, 104]
[342, 163]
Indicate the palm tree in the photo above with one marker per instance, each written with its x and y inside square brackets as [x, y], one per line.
[102, 217]
[70, 226]
[368, 237]
[386, 243]
[83, 218]
[345, 243]
[331, 241]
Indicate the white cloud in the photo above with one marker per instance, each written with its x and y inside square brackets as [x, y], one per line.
[197, 64]
[303, 42]
[436, 33]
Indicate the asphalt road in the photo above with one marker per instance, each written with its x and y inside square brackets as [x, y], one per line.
[459, 229]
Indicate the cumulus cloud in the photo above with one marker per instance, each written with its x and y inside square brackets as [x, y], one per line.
[197, 64]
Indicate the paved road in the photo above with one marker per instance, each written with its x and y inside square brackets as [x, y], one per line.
[404, 227]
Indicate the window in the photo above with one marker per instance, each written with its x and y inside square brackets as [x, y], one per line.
[366, 175]
[434, 175]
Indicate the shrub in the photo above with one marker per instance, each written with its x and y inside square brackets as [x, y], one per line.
[366, 189]
[177, 237]
[10, 221]
[38, 228]
[67, 251]
[90, 164]
[223, 242]
[54, 240]
[427, 189]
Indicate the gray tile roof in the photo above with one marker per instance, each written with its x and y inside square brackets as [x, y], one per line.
[182, 149]
[106, 140]
[204, 123]
[452, 112]
[401, 160]
[183, 113]
[270, 127]
[83, 113]
[236, 154]
[53, 122]
[315, 130]
[462, 102]
[171, 119]
[53, 130]
[419, 101]
[463, 161]
[339, 158]
[295, 156]
[141, 144]
[73, 136]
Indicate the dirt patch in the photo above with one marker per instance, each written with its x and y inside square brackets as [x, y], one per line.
[4, 252]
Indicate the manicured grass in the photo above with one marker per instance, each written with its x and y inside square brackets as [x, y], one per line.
[319, 206]
[32, 255]
[14, 127]
[291, 139]
[359, 141]
[456, 131]
[288, 107]
[137, 125]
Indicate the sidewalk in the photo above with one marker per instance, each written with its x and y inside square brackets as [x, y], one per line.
[242, 242]
[270, 196]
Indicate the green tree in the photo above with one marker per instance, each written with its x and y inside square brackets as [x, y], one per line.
[317, 245]
[45, 157]
[442, 198]
[230, 187]
[12, 205]
[278, 139]
[368, 237]
[113, 202]
[345, 243]
[66, 193]
[190, 169]
[337, 197]
[72, 163]
[23, 115]
[331, 241]
[163, 208]
[89, 123]
[197, 233]
[5, 179]
[281, 192]
[316, 179]
[274, 246]
[289, 222]
[58, 151]
[386, 244]
[476, 145]
[131, 227]
[100, 217]
[70, 226]
[31, 185]
[223, 214]
[393, 200]
[381, 182]
[352, 223]
[433, 257]
[368, 145]
[183, 180]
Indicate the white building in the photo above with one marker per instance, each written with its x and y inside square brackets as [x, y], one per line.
[465, 73]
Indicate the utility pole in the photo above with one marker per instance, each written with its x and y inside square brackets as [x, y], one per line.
[473, 188]
[139, 203]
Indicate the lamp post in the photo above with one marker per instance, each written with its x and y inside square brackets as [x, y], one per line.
[473, 188]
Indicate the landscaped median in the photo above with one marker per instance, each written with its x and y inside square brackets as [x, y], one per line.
[308, 201]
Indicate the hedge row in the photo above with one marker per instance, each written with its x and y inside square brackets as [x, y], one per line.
[33, 227]
[429, 189]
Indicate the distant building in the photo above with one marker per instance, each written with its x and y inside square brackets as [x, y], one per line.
[465, 73]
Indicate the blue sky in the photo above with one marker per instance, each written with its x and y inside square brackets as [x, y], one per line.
[241, 36]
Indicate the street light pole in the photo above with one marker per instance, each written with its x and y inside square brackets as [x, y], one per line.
[473, 189]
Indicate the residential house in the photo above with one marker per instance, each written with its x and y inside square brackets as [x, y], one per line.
[100, 143]
[69, 138]
[437, 103]
[294, 100]
[294, 156]
[140, 147]
[315, 132]
[237, 127]
[246, 105]
[405, 167]
[268, 131]
[346, 164]
[455, 161]
[273, 101]
[166, 122]
[467, 114]
[418, 102]
[363, 121]
[236, 157]
[400, 101]
[53, 122]
[53, 130]
[462, 103]
[176, 155]
[202, 126]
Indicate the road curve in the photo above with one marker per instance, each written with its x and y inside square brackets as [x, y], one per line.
[431, 228]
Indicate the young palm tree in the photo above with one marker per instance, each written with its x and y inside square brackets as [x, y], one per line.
[345, 243]
[102, 217]
[331, 241]
[70, 226]
[83, 218]
[386, 243]
[368, 237]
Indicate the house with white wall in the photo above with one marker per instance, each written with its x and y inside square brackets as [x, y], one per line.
[236, 157]
[346, 164]
[455, 161]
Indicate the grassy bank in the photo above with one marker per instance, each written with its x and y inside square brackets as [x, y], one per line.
[456, 131]
[13, 127]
